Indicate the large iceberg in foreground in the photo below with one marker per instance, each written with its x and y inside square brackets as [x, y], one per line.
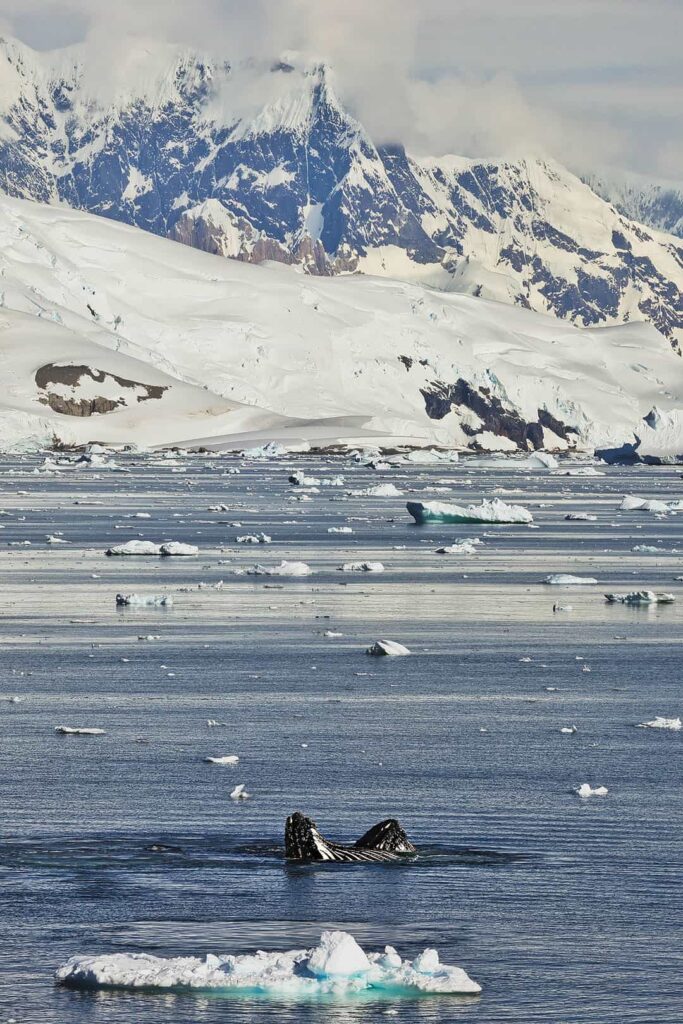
[336, 966]
[495, 511]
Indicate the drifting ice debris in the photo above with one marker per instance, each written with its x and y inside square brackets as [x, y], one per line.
[299, 479]
[213, 723]
[387, 647]
[563, 608]
[580, 517]
[336, 966]
[340, 529]
[254, 538]
[379, 491]
[460, 547]
[331, 634]
[585, 790]
[283, 569]
[579, 471]
[648, 549]
[51, 539]
[631, 504]
[563, 579]
[542, 460]
[146, 547]
[361, 567]
[228, 759]
[569, 730]
[174, 547]
[640, 597]
[219, 508]
[66, 730]
[240, 793]
[149, 600]
[661, 723]
[495, 511]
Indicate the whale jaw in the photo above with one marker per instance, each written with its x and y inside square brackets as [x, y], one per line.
[386, 841]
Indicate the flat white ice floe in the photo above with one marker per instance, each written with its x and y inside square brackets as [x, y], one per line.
[144, 600]
[336, 966]
[495, 511]
[147, 547]
[387, 647]
[254, 538]
[285, 568]
[67, 730]
[640, 597]
[362, 567]
[340, 529]
[661, 723]
[460, 547]
[585, 790]
[379, 491]
[227, 759]
[563, 579]
[580, 517]
[632, 504]
[240, 792]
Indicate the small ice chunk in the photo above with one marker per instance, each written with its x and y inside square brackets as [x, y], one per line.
[67, 730]
[340, 529]
[361, 567]
[387, 647]
[144, 600]
[640, 597]
[285, 568]
[662, 723]
[460, 547]
[569, 730]
[585, 790]
[227, 759]
[580, 517]
[174, 547]
[563, 579]
[240, 792]
[632, 504]
[299, 479]
[542, 460]
[378, 491]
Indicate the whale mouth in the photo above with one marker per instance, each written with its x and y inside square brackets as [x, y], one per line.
[386, 841]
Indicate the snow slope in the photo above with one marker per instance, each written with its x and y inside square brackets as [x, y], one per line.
[260, 161]
[184, 347]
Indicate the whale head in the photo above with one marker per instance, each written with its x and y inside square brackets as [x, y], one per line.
[303, 841]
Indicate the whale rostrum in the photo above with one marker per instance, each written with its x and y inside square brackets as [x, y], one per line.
[385, 841]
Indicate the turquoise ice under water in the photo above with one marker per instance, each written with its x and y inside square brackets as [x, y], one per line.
[565, 910]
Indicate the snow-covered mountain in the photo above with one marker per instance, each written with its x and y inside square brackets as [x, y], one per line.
[109, 333]
[658, 204]
[265, 163]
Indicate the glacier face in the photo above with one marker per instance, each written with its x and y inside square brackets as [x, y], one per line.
[297, 179]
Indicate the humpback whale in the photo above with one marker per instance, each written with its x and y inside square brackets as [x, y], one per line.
[385, 841]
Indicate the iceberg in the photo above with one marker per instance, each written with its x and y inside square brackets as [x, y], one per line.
[254, 538]
[67, 730]
[337, 966]
[460, 547]
[585, 790]
[563, 579]
[495, 511]
[228, 759]
[631, 504]
[146, 547]
[285, 568]
[661, 723]
[640, 597]
[144, 600]
[387, 647]
[362, 567]
[299, 479]
[542, 460]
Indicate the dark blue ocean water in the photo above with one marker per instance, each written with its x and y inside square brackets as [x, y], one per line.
[564, 910]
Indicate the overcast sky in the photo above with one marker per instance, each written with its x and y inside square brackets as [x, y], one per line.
[590, 82]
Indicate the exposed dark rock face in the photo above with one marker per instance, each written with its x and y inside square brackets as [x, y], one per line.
[441, 399]
[71, 376]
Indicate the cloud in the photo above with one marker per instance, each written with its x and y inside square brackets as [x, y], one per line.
[586, 81]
